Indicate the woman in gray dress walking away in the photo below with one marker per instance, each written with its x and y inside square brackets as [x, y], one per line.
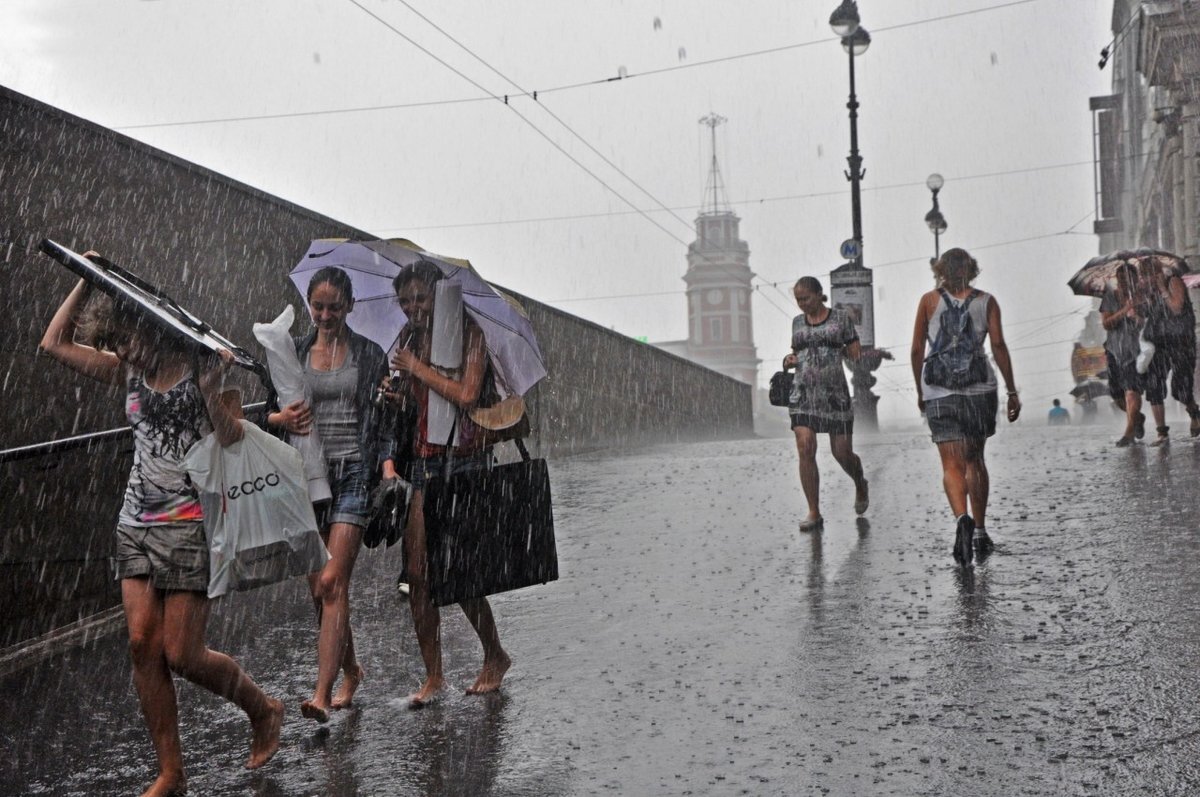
[820, 400]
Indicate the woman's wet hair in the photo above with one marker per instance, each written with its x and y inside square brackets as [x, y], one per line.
[106, 325]
[421, 270]
[339, 279]
[812, 285]
[955, 267]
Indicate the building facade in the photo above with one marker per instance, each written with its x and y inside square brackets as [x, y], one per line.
[1147, 131]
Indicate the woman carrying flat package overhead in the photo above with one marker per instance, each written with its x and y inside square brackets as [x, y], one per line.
[173, 398]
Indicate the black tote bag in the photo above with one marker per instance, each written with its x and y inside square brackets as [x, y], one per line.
[490, 531]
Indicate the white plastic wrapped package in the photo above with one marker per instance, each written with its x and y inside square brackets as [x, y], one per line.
[446, 346]
[287, 375]
[258, 520]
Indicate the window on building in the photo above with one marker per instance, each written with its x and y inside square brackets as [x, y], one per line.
[1106, 132]
[714, 329]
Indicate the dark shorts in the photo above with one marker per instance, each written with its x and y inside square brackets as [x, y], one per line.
[171, 555]
[426, 468]
[959, 417]
[1122, 377]
[348, 483]
[822, 425]
[1174, 365]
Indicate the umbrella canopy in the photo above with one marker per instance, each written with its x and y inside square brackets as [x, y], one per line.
[1090, 389]
[372, 265]
[1100, 273]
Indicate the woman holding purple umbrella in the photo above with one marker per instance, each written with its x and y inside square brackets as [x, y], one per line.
[419, 381]
[342, 370]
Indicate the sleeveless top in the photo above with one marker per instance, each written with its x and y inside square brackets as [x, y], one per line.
[334, 407]
[977, 310]
[165, 425]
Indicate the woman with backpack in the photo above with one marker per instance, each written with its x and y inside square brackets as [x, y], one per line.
[957, 390]
[820, 399]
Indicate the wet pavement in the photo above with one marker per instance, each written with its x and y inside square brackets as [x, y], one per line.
[698, 644]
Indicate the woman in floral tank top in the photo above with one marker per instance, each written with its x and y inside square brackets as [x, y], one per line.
[172, 400]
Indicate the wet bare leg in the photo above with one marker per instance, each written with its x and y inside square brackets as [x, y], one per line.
[842, 448]
[495, 661]
[351, 677]
[166, 786]
[264, 736]
[426, 617]
[978, 480]
[185, 618]
[334, 641]
[954, 474]
[152, 680]
[810, 477]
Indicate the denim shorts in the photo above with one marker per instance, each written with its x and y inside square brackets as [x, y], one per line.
[348, 483]
[171, 555]
[959, 417]
[426, 468]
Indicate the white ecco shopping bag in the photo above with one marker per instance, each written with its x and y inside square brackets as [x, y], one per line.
[258, 519]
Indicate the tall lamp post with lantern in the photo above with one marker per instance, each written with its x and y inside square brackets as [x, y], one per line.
[851, 285]
[934, 218]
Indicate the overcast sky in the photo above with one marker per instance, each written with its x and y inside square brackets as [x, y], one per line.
[385, 119]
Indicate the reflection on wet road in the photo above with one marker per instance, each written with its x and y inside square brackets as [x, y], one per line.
[698, 644]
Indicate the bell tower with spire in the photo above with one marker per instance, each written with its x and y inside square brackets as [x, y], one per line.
[720, 319]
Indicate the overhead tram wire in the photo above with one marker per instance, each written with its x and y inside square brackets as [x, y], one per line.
[582, 140]
[523, 118]
[759, 201]
[541, 132]
[533, 94]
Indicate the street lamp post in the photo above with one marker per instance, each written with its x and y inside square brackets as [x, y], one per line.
[855, 41]
[852, 284]
[934, 218]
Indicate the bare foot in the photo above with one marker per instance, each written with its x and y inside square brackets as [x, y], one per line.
[264, 739]
[167, 786]
[426, 694]
[345, 694]
[310, 710]
[491, 675]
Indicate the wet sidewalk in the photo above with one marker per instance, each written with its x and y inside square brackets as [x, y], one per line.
[698, 644]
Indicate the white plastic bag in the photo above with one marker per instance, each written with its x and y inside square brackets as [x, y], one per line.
[258, 519]
[1146, 355]
[287, 375]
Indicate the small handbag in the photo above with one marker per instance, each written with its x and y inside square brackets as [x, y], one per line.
[781, 388]
[388, 513]
[489, 530]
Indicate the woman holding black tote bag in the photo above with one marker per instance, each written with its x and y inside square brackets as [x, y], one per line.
[419, 381]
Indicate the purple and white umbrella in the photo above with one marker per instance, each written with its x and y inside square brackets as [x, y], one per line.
[372, 265]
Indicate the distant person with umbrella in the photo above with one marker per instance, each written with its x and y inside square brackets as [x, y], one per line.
[418, 381]
[342, 371]
[1122, 313]
[820, 399]
[957, 390]
[1171, 322]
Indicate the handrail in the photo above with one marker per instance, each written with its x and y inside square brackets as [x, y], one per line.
[83, 440]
